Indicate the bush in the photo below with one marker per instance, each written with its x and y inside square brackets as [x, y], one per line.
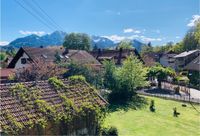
[91, 76]
[152, 106]
[112, 131]
[77, 78]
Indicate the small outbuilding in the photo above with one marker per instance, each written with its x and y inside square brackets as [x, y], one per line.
[51, 107]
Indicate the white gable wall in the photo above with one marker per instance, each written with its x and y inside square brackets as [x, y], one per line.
[19, 64]
[165, 61]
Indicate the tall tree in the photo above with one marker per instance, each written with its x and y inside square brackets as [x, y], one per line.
[189, 41]
[2, 56]
[77, 41]
[132, 74]
[146, 49]
[95, 48]
[197, 34]
[109, 74]
[129, 77]
[125, 44]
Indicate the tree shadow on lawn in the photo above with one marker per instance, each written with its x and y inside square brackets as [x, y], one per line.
[137, 102]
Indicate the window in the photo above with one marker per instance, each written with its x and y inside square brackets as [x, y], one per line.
[23, 61]
[66, 57]
[44, 56]
[61, 56]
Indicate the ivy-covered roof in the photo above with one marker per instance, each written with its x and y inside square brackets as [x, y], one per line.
[20, 102]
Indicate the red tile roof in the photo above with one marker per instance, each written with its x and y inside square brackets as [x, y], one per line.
[6, 72]
[117, 55]
[77, 91]
[49, 55]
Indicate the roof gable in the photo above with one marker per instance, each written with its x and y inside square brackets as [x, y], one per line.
[186, 53]
[49, 55]
[194, 65]
[16, 58]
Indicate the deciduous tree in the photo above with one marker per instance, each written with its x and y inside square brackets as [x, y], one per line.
[77, 41]
[125, 44]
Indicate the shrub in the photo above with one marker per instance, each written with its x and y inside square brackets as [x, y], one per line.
[77, 78]
[56, 82]
[112, 131]
[91, 75]
[152, 106]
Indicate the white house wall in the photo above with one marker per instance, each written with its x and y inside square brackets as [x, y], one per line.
[164, 61]
[19, 64]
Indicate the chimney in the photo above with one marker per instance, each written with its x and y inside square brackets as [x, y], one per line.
[120, 56]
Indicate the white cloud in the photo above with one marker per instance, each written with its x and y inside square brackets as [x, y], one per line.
[130, 30]
[148, 39]
[32, 32]
[177, 37]
[3, 43]
[137, 31]
[117, 38]
[194, 20]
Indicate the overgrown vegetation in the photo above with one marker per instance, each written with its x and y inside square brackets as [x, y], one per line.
[31, 98]
[39, 70]
[160, 73]
[112, 131]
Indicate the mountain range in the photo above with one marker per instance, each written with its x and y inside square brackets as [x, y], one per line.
[56, 38]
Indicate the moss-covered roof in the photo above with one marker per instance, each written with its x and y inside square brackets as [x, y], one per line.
[79, 92]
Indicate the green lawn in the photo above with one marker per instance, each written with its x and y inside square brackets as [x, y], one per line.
[142, 122]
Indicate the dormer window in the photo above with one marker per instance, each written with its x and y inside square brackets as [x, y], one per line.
[66, 57]
[23, 61]
[61, 56]
[44, 56]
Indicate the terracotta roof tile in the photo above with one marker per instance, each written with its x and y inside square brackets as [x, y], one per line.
[117, 55]
[76, 91]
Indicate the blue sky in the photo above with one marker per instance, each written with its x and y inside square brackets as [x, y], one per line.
[158, 21]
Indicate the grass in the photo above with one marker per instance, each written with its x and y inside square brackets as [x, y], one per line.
[142, 122]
